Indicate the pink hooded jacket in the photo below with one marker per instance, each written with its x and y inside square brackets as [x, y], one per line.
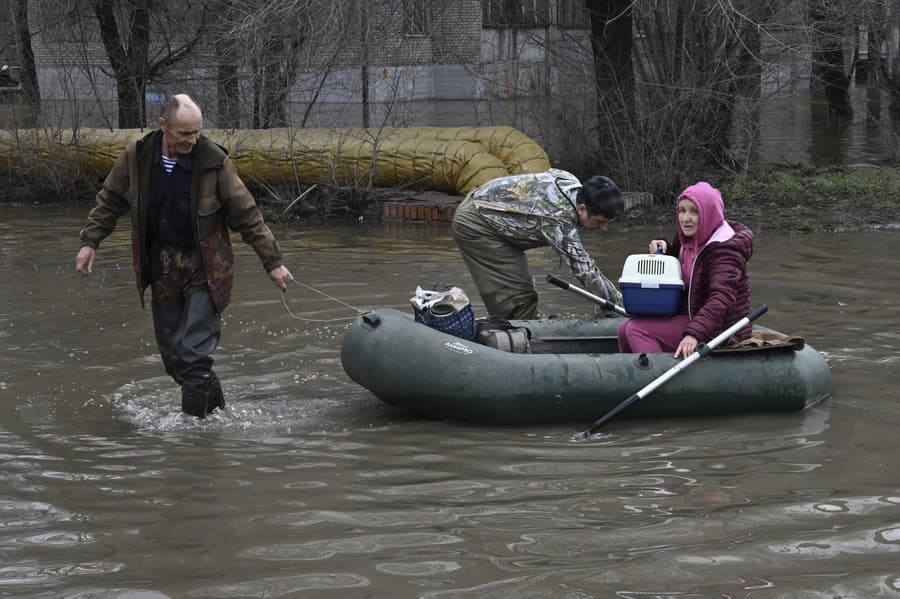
[714, 267]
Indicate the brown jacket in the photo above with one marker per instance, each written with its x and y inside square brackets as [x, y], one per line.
[219, 202]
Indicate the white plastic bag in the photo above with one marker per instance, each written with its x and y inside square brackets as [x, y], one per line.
[448, 311]
[427, 300]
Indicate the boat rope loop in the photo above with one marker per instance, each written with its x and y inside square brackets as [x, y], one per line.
[286, 307]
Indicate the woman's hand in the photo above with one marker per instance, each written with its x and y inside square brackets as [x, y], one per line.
[687, 346]
[658, 245]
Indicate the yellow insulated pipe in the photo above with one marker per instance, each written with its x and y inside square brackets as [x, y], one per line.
[451, 159]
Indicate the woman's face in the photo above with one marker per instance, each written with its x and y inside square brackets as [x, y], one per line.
[688, 218]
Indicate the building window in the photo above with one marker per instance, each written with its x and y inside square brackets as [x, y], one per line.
[572, 14]
[516, 13]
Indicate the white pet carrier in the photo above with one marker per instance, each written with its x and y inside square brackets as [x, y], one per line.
[651, 285]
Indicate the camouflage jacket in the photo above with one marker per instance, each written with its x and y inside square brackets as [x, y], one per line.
[537, 210]
[219, 202]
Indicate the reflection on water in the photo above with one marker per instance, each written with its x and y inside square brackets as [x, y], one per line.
[800, 128]
[307, 486]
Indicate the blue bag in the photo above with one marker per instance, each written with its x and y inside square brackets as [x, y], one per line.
[448, 311]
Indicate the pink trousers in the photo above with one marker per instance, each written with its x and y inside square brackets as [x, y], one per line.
[651, 335]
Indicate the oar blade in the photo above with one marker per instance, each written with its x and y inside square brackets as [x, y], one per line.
[587, 434]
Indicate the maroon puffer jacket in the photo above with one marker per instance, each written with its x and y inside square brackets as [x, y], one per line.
[719, 291]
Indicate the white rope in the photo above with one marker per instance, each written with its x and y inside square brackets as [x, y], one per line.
[286, 307]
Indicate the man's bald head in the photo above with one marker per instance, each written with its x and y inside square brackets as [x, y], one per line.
[180, 120]
[179, 102]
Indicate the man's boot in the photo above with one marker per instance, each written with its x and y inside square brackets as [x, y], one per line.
[216, 397]
[194, 401]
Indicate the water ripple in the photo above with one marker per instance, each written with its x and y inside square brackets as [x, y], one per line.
[324, 549]
[286, 586]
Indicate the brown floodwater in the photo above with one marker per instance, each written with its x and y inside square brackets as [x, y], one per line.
[308, 486]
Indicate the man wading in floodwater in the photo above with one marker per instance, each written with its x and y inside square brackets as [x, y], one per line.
[184, 194]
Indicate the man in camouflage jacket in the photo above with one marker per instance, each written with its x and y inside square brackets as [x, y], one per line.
[502, 218]
[183, 194]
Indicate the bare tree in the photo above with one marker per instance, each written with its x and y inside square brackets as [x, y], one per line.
[673, 79]
[669, 93]
[612, 43]
[276, 33]
[828, 29]
[277, 40]
[884, 46]
[228, 66]
[611, 46]
[143, 39]
[28, 72]
[364, 61]
[665, 88]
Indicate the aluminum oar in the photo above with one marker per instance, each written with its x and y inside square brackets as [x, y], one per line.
[702, 350]
[583, 293]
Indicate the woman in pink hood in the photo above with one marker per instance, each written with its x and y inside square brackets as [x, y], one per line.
[713, 253]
